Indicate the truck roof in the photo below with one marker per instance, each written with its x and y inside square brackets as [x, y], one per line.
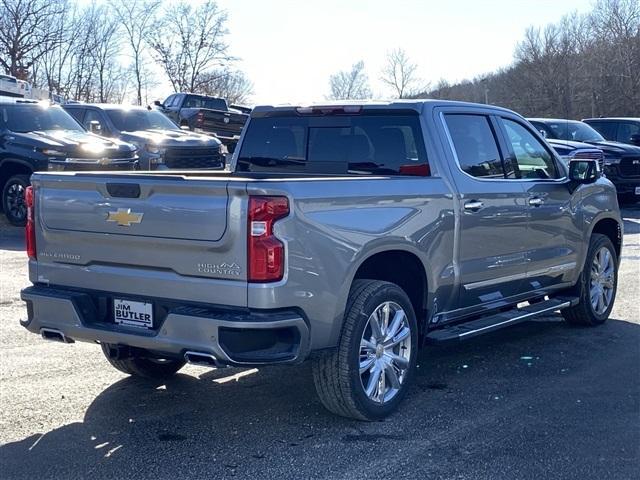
[418, 105]
[107, 106]
[617, 119]
[13, 100]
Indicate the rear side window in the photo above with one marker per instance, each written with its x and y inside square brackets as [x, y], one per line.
[626, 130]
[606, 129]
[475, 145]
[345, 144]
[76, 113]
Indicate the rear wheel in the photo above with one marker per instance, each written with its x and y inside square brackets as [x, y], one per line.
[597, 284]
[142, 366]
[368, 374]
[13, 202]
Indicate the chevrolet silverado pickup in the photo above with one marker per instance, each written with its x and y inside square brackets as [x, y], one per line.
[350, 235]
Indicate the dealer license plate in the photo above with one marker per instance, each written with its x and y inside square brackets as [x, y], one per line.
[637, 190]
[135, 314]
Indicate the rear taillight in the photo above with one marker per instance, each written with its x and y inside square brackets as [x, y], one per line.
[200, 119]
[265, 252]
[30, 230]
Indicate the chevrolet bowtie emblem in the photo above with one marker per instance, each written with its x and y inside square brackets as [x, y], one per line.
[124, 217]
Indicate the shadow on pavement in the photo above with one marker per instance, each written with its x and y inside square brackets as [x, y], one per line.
[539, 400]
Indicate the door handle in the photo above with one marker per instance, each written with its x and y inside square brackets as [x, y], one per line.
[536, 201]
[473, 205]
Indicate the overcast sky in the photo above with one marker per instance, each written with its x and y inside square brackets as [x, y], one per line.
[289, 48]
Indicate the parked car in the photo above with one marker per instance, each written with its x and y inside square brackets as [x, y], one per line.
[161, 144]
[36, 136]
[621, 129]
[621, 161]
[349, 235]
[205, 114]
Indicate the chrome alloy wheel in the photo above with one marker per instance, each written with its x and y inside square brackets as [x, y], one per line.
[385, 352]
[602, 281]
[16, 205]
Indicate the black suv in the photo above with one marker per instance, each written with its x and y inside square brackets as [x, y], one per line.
[161, 144]
[622, 129]
[621, 161]
[36, 136]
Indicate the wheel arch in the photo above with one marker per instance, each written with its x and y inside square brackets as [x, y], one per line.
[13, 166]
[400, 265]
[610, 227]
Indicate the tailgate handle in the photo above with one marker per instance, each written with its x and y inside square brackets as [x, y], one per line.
[123, 190]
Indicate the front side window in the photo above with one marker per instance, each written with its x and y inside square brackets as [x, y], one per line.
[92, 116]
[475, 145]
[345, 144]
[532, 159]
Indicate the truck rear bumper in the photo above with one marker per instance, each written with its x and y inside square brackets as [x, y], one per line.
[233, 337]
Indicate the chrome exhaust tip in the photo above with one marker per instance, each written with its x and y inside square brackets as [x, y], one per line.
[54, 335]
[202, 359]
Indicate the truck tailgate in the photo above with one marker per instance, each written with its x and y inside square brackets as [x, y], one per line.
[150, 234]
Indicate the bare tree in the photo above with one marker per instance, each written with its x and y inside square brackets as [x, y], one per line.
[106, 46]
[399, 73]
[26, 33]
[190, 41]
[137, 18]
[585, 65]
[351, 84]
[234, 86]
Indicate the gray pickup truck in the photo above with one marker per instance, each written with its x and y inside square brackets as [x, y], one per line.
[351, 235]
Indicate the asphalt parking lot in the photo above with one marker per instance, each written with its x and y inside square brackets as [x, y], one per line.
[541, 400]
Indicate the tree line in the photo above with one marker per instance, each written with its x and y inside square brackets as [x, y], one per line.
[112, 50]
[585, 65]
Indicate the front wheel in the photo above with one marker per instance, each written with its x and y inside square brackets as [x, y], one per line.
[368, 374]
[597, 285]
[13, 201]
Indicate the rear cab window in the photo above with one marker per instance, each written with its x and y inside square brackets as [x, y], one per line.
[359, 144]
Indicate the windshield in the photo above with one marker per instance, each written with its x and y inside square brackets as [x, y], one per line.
[134, 120]
[576, 131]
[32, 118]
[194, 101]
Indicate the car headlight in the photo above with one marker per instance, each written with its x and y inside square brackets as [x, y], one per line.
[154, 149]
[612, 161]
[52, 152]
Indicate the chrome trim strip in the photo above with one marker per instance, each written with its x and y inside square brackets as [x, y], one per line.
[555, 269]
[517, 319]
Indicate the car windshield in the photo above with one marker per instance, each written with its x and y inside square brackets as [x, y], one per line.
[134, 120]
[34, 117]
[194, 101]
[576, 131]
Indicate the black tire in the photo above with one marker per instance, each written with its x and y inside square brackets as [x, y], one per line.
[144, 367]
[584, 312]
[13, 203]
[336, 372]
